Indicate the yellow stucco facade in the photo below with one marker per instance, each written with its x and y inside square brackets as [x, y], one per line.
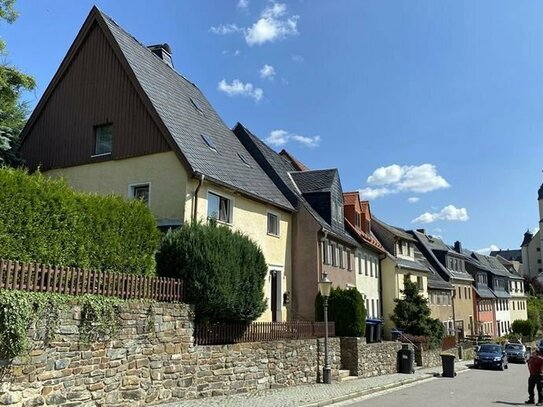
[171, 198]
[393, 283]
[463, 308]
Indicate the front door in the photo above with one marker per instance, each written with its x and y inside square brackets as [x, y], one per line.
[274, 294]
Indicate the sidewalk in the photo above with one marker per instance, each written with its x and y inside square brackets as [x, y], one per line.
[316, 395]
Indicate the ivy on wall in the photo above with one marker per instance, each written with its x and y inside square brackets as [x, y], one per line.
[24, 312]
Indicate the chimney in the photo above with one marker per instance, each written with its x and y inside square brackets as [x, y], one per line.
[423, 231]
[458, 246]
[164, 52]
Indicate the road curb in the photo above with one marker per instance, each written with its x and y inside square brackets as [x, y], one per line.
[372, 390]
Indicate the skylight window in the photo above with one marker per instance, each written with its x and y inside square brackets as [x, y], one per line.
[244, 159]
[197, 106]
[209, 141]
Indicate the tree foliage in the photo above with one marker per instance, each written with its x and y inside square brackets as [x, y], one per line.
[346, 309]
[412, 314]
[525, 328]
[223, 271]
[13, 111]
[45, 221]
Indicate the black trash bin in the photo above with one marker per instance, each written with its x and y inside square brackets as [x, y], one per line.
[370, 331]
[447, 361]
[396, 334]
[377, 329]
[405, 360]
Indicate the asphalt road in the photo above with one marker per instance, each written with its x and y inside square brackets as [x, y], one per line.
[478, 388]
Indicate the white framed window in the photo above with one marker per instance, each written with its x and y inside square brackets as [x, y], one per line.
[333, 249]
[360, 264]
[366, 265]
[340, 256]
[103, 139]
[376, 267]
[140, 191]
[325, 252]
[219, 207]
[357, 220]
[420, 283]
[372, 266]
[274, 224]
[349, 260]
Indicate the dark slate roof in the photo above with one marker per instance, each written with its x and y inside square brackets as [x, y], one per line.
[511, 255]
[492, 264]
[314, 180]
[527, 238]
[430, 244]
[484, 292]
[435, 281]
[279, 169]
[410, 264]
[170, 94]
[392, 230]
[540, 192]
[501, 294]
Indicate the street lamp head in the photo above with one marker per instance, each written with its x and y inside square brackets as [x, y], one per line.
[325, 285]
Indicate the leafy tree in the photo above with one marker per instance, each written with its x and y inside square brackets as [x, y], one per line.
[223, 271]
[526, 328]
[346, 309]
[13, 111]
[412, 314]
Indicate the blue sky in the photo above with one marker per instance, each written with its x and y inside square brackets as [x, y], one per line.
[434, 109]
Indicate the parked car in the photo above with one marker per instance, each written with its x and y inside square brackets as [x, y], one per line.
[490, 355]
[516, 352]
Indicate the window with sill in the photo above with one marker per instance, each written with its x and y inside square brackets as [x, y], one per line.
[349, 261]
[141, 192]
[420, 283]
[357, 221]
[219, 208]
[334, 254]
[325, 252]
[273, 224]
[103, 139]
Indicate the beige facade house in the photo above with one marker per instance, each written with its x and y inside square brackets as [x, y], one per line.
[399, 260]
[532, 245]
[450, 264]
[368, 256]
[117, 118]
[320, 243]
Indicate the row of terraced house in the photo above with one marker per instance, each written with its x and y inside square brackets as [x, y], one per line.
[118, 118]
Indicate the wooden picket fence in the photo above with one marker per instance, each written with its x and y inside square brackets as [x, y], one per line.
[69, 280]
[225, 333]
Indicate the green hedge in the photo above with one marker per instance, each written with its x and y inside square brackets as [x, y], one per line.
[525, 328]
[346, 309]
[223, 271]
[44, 220]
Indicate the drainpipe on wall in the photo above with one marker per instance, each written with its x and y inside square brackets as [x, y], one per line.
[381, 313]
[201, 177]
[321, 255]
[453, 312]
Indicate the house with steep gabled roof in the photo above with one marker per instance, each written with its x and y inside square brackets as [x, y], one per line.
[399, 261]
[117, 118]
[320, 243]
[450, 264]
[368, 256]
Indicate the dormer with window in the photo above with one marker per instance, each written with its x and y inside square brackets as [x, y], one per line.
[405, 249]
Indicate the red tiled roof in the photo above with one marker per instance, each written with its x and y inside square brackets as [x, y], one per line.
[368, 239]
[350, 198]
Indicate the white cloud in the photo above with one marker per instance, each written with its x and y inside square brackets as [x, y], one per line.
[235, 52]
[413, 178]
[450, 213]
[225, 29]
[281, 137]
[238, 88]
[272, 25]
[298, 58]
[267, 72]
[487, 250]
[243, 4]
[373, 193]
[413, 199]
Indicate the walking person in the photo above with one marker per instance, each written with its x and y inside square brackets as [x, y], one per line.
[535, 366]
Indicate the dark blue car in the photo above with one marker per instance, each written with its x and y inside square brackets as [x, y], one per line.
[490, 355]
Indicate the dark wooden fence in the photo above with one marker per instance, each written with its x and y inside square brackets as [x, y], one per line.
[225, 333]
[68, 280]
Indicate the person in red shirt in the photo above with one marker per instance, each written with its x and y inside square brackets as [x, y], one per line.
[535, 366]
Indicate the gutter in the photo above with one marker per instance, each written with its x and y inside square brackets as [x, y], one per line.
[201, 178]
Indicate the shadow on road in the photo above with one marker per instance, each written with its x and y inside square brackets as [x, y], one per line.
[509, 403]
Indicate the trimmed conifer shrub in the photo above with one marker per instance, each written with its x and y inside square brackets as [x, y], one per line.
[223, 271]
[43, 220]
[346, 308]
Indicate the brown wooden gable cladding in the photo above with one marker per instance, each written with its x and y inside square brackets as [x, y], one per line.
[93, 90]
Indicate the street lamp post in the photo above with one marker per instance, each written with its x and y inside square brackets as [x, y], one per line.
[324, 287]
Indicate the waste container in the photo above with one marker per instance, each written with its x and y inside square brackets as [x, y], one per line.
[370, 331]
[447, 361]
[405, 360]
[377, 329]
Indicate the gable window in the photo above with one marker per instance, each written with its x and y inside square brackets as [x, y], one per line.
[140, 191]
[219, 208]
[103, 136]
[273, 224]
[357, 220]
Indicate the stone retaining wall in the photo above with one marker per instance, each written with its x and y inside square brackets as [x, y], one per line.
[369, 359]
[152, 359]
